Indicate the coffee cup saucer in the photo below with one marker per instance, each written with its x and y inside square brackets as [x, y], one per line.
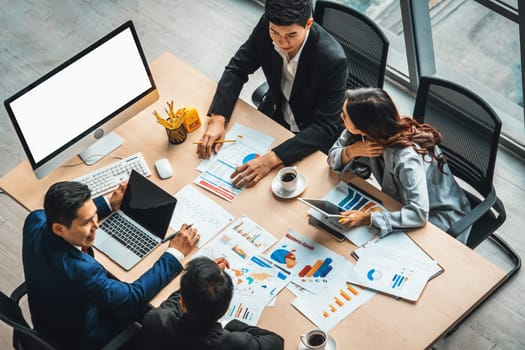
[278, 191]
[330, 344]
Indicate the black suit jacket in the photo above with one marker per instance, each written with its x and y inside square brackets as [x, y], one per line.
[167, 327]
[317, 95]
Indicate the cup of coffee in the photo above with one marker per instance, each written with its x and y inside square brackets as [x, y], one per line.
[315, 339]
[288, 178]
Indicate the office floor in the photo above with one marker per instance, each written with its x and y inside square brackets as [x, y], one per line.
[39, 35]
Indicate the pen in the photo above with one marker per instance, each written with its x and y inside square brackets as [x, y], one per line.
[218, 141]
[170, 237]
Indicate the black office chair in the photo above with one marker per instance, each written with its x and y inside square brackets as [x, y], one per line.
[25, 337]
[364, 43]
[471, 131]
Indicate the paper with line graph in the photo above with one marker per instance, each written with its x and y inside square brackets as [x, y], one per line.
[392, 271]
[326, 310]
[195, 208]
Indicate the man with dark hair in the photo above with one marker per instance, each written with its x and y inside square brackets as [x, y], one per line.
[73, 300]
[188, 318]
[306, 70]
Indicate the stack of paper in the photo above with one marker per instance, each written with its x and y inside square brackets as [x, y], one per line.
[319, 278]
[217, 170]
[392, 271]
[256, 280]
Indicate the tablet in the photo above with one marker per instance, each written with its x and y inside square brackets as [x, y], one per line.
[326, 208]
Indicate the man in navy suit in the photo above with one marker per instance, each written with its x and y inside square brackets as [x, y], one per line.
[73, 300]
[306, 70]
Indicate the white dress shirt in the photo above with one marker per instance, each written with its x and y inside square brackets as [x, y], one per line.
[289, 70]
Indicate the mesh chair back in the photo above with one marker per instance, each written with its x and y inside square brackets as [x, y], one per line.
[469, 126]
[365, 45]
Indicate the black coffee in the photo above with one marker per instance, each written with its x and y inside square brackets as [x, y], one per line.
[316, 339]
[288, 177]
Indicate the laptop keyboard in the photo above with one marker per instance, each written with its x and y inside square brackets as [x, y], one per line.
[129, 235]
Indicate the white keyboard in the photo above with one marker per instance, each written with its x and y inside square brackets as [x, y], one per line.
[107, 178]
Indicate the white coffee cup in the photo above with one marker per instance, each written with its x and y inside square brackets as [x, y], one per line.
[315, 339]
[288, 178]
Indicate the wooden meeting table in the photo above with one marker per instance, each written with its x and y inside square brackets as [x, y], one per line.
[381, 323]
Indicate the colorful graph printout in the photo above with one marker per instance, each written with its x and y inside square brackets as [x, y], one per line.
[253, 233]
[348, 198]
[256, 279]
[390, 271]
[193, 207]
[242, 312]
[326, 310]
[312, 265]
[216, 171]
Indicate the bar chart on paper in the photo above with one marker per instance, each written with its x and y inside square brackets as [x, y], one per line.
[253, 233]
[242, 312]
[328, 309]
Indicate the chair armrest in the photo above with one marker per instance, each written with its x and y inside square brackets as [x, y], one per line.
[19, 292]
[472, 216]
[123, 337]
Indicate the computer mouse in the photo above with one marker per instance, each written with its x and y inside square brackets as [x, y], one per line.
[163, 168]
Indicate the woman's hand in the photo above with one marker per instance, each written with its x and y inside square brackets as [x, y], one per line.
[354, 218]
[365, 148]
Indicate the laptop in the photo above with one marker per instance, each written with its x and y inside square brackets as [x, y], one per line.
[129, 234]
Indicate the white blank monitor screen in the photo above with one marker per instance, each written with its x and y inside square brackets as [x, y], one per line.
[57, 116]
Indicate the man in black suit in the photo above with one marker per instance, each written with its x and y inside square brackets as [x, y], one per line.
[188, 318]
[306, 70]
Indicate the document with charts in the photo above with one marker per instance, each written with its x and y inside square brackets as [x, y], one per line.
[256, 280]
[327, 309]
[195, 208]
[392, 271]
[312, 265]
[215, 176]
[349, 198]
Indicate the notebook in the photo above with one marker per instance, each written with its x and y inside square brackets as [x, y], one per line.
[129, 234]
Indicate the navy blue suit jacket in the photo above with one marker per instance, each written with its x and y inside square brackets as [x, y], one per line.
[71, 296]
[317, 94]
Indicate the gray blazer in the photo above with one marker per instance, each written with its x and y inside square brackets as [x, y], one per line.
[425, 192]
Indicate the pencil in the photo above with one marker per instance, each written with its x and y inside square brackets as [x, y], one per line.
[218, 141]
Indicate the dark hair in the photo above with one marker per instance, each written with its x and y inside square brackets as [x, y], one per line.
[373, 112]
[62, 201]
[207, 290]
[288, 12]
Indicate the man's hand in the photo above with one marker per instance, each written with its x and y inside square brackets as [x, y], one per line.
[249, 174]
[116, 196]
[214, 131]
[353, 218]
[223, 263]
[185, 239]
[364, 149]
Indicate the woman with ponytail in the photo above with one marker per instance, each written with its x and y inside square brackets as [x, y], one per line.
[405, 158]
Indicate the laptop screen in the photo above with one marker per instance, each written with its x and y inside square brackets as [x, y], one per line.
[148, 204]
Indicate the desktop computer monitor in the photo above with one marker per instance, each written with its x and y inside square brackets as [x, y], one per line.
[73, 108]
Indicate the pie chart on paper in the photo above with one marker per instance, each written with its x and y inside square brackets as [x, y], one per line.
[249, 157]
[374, 275]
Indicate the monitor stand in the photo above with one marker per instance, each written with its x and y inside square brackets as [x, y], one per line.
[101, 148]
